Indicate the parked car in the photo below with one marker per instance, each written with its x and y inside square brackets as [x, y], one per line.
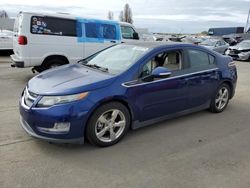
[192, 40]
[217, 45]
[42, 41]
[6, 40]
[125, 86]
[241, 51]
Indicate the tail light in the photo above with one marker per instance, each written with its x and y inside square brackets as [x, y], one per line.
[22, 40]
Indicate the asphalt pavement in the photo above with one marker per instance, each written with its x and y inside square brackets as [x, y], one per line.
[196, 150]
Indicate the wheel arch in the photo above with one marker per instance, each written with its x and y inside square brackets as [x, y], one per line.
[50, 57]
[110, 100]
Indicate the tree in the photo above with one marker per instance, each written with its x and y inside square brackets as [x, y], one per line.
[121, 18]
[126, 14]
[110, 15]
[204, 33]
[3, 14]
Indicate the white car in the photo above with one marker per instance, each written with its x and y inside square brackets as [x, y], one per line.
[6, 40]
[241, 51]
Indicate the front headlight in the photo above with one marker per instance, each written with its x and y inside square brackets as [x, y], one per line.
[47, 101]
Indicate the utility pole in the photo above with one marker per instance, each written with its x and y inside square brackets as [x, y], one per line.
[248, 22]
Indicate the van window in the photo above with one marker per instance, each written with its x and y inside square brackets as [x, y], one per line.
[53, 26]
[109, 31]
[100, 31]
[127, 32]
[91, 30]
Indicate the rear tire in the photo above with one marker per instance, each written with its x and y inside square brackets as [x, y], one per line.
[48, 64]
[220, 99]
[53, 63]
[108, 124]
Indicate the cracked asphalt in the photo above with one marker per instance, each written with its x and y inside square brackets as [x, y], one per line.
[196, 150]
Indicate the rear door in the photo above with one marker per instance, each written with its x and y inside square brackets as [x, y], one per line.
[202, 77]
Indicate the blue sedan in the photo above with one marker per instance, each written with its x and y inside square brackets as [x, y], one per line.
[125, 86]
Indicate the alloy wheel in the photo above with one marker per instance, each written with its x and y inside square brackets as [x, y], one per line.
[110, 125]
[222, 98]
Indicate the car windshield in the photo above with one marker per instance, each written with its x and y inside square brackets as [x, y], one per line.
[209, 42]
[244, 44]
[116, 59]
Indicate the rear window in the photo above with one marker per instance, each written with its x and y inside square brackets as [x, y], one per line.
[53, 26]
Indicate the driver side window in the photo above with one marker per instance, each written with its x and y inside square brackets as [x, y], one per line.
[171, 60]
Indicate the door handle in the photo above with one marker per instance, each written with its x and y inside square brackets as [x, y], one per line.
[113, 41]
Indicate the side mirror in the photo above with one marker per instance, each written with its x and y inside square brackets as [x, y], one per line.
[136, 36]
[161, 72]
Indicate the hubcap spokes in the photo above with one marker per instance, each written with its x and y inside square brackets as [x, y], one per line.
[221, 98]
[110, 125]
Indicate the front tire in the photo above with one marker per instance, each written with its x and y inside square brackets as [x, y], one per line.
[221, 98]
[108, 124]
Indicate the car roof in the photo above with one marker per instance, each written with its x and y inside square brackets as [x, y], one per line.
[154, 44]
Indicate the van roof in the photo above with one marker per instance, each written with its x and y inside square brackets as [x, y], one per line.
[63, 15]
[59, 15]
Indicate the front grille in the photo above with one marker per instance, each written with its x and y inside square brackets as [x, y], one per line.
[29, 97]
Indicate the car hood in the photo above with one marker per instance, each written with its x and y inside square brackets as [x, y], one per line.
[239, 48]
[69, 79]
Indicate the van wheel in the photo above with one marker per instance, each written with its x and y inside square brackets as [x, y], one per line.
[53, 63]
[108, 124]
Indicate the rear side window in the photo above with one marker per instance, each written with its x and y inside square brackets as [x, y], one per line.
[53, 26]
[100, 31]
[108, 31]
[200, 59]
[91, 30]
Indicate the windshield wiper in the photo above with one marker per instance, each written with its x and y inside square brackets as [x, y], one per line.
[104, 69]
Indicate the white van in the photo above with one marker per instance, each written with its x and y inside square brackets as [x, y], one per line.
[44, 41]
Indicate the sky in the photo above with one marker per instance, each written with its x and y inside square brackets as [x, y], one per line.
[171, 16]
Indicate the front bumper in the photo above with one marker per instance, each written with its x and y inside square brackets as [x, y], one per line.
[36, 120]
[29, 130]
[239, 56]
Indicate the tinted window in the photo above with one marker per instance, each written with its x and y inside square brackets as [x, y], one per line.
[53, 26]
[127, 32]
[211, 59]
[100, 31]
[108, 31]
[91, 30]
[198, 58]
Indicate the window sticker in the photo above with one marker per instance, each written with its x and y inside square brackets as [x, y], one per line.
[53, 26]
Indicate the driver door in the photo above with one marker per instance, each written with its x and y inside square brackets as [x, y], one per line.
[157, 97]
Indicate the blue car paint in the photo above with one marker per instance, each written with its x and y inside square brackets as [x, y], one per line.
[148, 102]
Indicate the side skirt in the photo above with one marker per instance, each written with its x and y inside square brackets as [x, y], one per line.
[137, 124]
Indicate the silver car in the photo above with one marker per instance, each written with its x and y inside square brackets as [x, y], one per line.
[6, 40]
[241, 51]
[217, 45]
